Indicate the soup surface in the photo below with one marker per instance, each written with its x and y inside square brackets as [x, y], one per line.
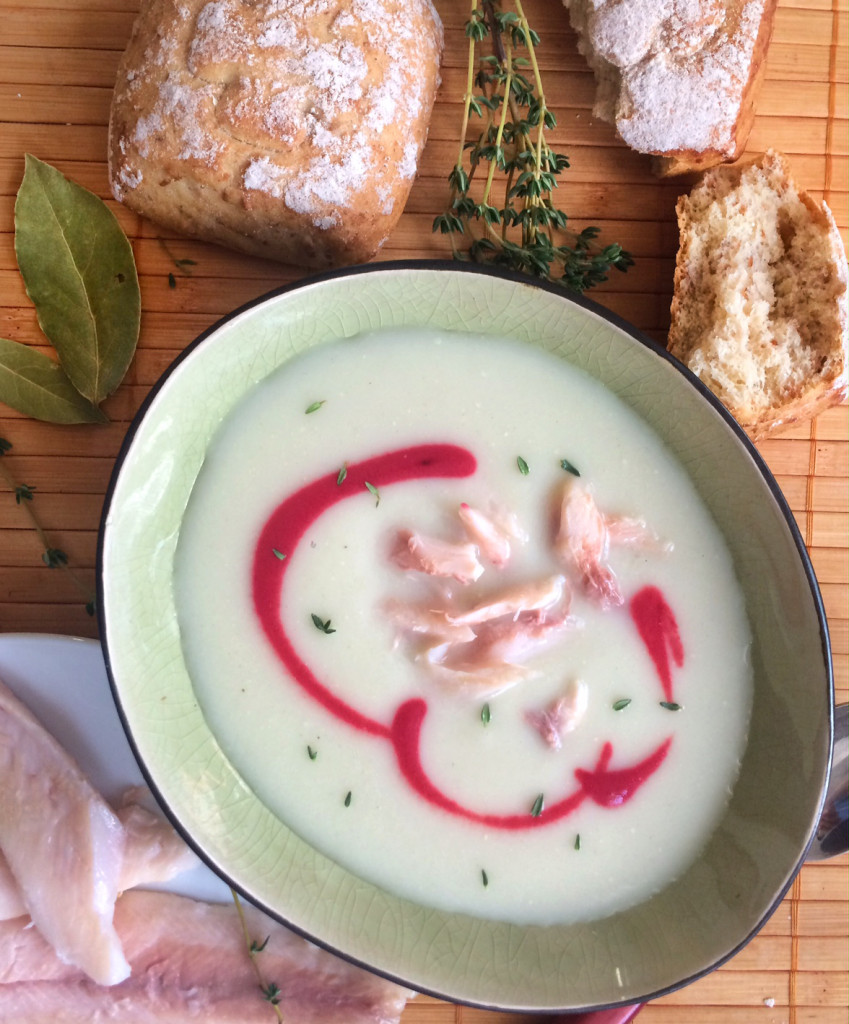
[457, 617]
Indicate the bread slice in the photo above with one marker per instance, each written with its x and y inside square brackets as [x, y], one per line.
[678, 78]
[760, 305]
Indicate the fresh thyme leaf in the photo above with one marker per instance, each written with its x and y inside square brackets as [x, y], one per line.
[486, 714]
[539, 803]
[271, 993]
[375, 493]
[315, 406]
[670, 705]
[484, 878]
[37, 386]
[340, 476]
[618, 705]
[54, 558]
[578, 841]
[90, 608]
[523, 466]
[172, 281]
[5, 445]
[348, 798]
[181, 264]
[258, 947]
[23, 492]
[319, 623]
[278, 554]
[567, 465]
[79, 271]
[312, 754]
[510, 154]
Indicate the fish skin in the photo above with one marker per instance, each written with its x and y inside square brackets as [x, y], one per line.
[190, 963]
[62, 843]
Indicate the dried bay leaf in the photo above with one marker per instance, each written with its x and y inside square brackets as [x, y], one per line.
[35, 385]
[79, 271]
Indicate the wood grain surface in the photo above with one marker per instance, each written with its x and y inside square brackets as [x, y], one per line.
[57, 66]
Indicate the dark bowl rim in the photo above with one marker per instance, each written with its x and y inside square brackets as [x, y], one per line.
[579, 299]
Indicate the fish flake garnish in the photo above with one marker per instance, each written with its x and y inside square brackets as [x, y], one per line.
[417, 552]
[562, 716]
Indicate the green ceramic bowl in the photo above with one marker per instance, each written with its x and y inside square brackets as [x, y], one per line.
[687, 929]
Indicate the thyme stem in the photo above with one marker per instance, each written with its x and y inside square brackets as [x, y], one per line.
[252, 951]
[514, 117]
[467, 98]
[60, 563]
[499, 135]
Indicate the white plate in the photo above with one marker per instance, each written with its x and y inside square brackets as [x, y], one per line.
[62, 680]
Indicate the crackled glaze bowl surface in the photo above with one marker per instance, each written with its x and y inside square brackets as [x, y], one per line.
[688, 927]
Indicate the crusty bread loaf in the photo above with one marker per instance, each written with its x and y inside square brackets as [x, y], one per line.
[283, 128]
[760, 305]
[678, 78]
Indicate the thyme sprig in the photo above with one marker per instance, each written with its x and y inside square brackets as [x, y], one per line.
[53, 558]
[270, 991]
[525, 231]
[184, 266]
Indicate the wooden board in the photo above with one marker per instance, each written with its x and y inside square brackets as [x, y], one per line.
[57, 67]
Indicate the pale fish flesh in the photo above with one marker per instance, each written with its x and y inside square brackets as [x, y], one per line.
[190, 962]
[153, 852]
[62, 843]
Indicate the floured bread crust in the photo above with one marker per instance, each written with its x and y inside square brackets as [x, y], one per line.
[289, 129]
[760, 305]
[678, 78]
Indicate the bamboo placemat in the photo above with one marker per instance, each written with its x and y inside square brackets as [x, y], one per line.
[57, 66]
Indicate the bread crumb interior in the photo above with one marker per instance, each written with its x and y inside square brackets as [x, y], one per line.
[760, 311]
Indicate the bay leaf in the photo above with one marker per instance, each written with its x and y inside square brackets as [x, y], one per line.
[37, 386]
[79, 271]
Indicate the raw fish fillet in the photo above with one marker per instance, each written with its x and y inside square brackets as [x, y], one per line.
[62, 843]
[153, 850]
[153, 853]
[11, 902]
[190, 963]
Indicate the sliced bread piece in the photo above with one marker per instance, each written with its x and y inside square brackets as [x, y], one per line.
[760, 305]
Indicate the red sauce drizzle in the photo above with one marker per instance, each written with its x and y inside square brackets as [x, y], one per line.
[658, 630]
[284, 530]
[293, 517]
[406, 734]
[613, 788]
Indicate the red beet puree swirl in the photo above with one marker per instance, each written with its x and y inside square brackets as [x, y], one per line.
[281, 535]
[293, 517]
[658, 630]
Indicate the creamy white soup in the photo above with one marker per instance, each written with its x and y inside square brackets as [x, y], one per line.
[458, 618]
